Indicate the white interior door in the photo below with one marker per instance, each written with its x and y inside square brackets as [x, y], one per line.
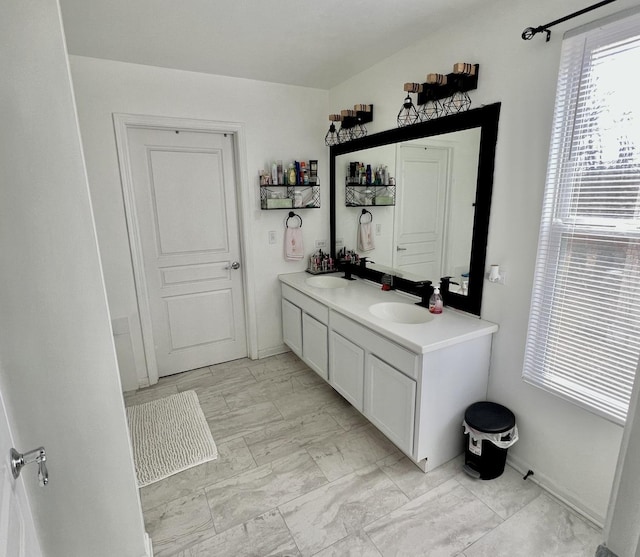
[184, 189]
[18, 536]
[420, 209]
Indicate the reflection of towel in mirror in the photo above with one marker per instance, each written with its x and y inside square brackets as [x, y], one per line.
[365, 237]
[293, 248]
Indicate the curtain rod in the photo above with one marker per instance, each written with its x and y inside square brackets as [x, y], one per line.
[530, 32]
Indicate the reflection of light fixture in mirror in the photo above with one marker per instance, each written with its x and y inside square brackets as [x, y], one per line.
[331, 138]
[408, 114]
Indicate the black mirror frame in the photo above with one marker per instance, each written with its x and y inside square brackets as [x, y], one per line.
[485, 117]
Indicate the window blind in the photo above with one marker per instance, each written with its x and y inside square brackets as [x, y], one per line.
[583, 340]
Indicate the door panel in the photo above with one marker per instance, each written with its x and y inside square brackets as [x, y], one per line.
[188, 221]
[17, 532]
[347, 369]
[314, 345]
[184, 191]
[292, 326]
[390, 402]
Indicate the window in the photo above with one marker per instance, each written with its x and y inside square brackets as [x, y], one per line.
[583, 341]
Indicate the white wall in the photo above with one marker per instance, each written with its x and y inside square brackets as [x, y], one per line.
[281, 122]
[622, 528]
[571, 451]
[58, 370]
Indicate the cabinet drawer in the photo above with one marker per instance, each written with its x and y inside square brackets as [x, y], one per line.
[386, 350]
[308, 305]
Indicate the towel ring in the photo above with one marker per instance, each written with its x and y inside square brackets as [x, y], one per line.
[291, 216]
[365, 212]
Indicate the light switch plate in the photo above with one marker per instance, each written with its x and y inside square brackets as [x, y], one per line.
[272, 236]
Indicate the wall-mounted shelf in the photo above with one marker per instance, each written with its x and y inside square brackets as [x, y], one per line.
[367, 195]
[277, 196]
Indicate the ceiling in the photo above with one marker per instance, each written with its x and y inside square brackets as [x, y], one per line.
[312, 43]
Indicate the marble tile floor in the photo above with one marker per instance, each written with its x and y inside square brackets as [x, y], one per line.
[301, 473]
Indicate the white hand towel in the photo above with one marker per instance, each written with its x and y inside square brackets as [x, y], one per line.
[293, 248]
[365, 237]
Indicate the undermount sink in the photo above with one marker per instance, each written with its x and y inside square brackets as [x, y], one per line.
[397, 312]
[327, 282]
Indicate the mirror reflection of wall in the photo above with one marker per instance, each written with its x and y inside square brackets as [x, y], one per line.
[428, 233]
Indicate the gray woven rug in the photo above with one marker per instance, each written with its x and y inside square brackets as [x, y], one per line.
[169, 435]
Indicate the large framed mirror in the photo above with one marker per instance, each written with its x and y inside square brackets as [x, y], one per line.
[433, 220]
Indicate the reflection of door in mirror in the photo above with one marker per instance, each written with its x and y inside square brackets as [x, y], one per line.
[423, 176]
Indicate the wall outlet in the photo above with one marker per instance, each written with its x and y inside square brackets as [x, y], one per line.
[321, 244]
[501, 280]
[272, 236]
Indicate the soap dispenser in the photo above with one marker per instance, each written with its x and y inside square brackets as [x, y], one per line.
[435, 302]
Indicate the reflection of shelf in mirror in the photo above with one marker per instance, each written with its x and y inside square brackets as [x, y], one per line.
[367, 195]
[279, 196]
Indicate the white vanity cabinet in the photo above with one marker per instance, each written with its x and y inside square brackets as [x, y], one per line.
[412, 381]
[304, 329]
[384, 374]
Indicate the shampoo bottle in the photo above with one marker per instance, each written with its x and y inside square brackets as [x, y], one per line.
[435, 302]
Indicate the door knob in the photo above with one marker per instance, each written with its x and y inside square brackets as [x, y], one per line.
[235, 265]
[18, 461]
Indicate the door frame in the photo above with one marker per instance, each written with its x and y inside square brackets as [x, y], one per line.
[122, 123]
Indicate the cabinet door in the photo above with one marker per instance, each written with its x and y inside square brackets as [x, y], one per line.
[390, 402]
[347, 369]
[314, 345]
[292, 326]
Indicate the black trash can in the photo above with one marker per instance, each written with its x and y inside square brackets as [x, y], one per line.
[492, 429]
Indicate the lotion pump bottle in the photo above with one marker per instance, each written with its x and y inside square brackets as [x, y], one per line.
[435, 302]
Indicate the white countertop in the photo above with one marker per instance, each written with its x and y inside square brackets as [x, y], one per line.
[446, 329]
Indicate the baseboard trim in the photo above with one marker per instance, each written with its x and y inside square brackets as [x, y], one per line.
[273, 351]
[148, 546]
[557, 491]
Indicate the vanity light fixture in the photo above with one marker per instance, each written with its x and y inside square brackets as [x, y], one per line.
[331, 138]
[432, 89]
[408, 114]
[440, 95]
[344, 133]
[352, 124]
[461, 79]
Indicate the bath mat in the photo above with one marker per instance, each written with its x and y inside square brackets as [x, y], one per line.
[169, 435]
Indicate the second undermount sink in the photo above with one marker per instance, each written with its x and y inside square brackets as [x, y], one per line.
[327, 282]
[398, 312]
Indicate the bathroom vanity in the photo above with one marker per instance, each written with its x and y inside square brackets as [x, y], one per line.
[410, 373]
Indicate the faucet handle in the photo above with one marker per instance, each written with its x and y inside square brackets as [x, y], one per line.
[364, 261]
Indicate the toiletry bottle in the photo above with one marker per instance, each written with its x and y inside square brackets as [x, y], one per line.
[274, 173]
[368, 174]
[292, 175]
[435, 302]
[280, 172]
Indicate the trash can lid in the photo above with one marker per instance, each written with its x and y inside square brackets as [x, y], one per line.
[489, 417]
